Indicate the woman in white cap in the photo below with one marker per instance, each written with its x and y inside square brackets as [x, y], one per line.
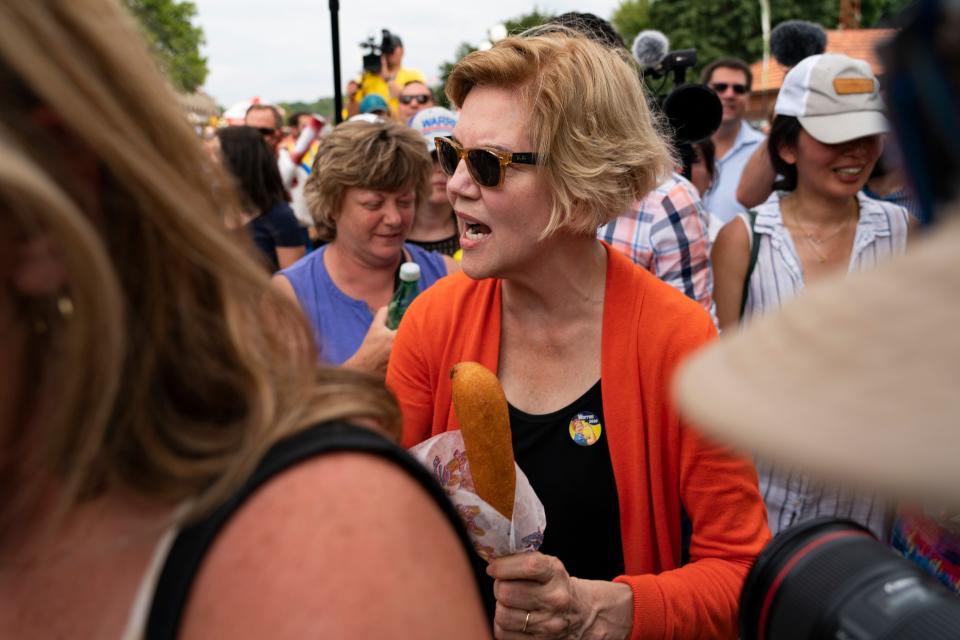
[435, 226]
[824, 141]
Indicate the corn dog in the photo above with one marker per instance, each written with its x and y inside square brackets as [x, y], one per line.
[481, 409]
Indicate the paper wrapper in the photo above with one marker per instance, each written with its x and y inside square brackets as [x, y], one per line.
[491, 533]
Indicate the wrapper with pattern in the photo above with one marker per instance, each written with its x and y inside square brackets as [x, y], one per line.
[492, 534]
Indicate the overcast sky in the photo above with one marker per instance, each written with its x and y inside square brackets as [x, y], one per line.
[280, 50]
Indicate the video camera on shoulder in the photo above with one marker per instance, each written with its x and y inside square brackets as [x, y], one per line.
[372, 59]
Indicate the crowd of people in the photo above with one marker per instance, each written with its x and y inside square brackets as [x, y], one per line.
[205, 412]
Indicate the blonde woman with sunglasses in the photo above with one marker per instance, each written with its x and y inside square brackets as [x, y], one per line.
[554, 140]
[173, 461]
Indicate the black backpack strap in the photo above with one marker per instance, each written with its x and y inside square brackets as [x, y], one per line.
[754, 252]
[191, 545]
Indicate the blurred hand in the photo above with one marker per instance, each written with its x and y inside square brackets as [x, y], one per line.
[352, 88]
[374, 351]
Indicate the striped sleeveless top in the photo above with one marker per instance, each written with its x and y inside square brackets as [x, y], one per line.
[792, 497]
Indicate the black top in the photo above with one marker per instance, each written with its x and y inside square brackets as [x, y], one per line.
[276, 227]
[565, 456]
[447, 246]
[191, 545]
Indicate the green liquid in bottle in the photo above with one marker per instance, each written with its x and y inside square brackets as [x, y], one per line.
[405, 293]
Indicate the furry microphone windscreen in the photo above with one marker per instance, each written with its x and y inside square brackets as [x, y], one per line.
[794, 40]
[649, 48]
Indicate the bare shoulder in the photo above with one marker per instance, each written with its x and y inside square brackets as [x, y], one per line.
[731, 260]
[282, 283]
[733, 239]
[731, 251]
[322, 546]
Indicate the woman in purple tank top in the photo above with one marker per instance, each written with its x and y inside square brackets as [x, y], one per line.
[367, 181]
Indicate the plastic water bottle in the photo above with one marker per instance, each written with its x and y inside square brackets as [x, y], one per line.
[405, 293]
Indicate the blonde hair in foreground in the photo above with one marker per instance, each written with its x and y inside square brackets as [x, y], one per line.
[180, 364]
[589, 122]
[382, 156]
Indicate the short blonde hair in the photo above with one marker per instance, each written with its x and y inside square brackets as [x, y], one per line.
[179, 364]
[384, 156]
[589, 122]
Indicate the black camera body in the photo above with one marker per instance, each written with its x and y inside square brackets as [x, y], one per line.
[372, 60]
[675, 62]
[829, 578]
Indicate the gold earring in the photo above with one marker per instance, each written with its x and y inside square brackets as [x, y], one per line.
[64, 306]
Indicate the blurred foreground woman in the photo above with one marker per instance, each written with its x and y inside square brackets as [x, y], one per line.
[148, 368]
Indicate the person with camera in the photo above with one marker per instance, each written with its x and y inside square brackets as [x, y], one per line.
[554, 139]
[383, 73]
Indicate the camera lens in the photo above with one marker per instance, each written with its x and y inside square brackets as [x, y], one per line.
[831, 578]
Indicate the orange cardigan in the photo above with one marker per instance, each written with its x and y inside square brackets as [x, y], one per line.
[659, 463]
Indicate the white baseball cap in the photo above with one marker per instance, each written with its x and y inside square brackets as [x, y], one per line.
[366, 117]
[835, 97]
[432, 123]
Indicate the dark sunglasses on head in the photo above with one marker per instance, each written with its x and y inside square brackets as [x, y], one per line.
[486, 166]
[421, 99]
[721, 87]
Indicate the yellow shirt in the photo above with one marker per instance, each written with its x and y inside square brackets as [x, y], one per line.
[376, 84]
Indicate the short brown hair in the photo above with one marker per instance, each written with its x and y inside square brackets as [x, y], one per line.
[589, 122]
[384, 156]
[727, 63]
[277, 116]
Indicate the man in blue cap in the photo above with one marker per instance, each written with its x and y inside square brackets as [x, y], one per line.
[375, 104]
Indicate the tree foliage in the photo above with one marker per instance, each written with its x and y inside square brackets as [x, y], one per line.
[720, 28]
[514, 26]
[520, 24]
[630, 18]
[321, 106]
[175, 40]
[464, 49]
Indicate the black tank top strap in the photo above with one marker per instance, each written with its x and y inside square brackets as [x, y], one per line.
[191, 545]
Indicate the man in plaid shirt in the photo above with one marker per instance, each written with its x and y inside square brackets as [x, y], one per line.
[666, 233]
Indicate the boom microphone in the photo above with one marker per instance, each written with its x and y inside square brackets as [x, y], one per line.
[794, 40]
[649, 48]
